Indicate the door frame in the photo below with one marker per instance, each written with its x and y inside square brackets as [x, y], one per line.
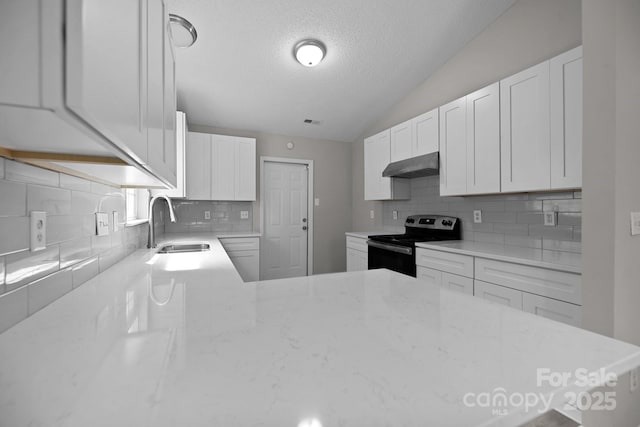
[310, 199]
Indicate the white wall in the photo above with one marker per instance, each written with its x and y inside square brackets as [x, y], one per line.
[527, 33]
[332, 185]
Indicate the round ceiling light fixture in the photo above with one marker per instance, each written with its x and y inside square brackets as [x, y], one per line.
[309, 52]
[183, 33]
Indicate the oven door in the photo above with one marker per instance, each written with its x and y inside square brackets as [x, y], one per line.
[393, 257]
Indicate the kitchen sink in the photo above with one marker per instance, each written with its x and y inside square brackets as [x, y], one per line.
[552, 418]
[186, 247]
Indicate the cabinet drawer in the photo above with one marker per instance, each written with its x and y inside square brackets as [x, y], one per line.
[357, 243]
[232, 244]
[552, 309]
[356, 260]
[457, 283]
[462, 265]
[540, 281]
[498, 294]
[429, 275]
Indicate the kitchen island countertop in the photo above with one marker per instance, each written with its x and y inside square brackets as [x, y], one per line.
[165, 340]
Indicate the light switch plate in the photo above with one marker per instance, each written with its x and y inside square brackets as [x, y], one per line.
[395, 214]
[244, 214]
[207, 214]
[38, 231]
[477, 216]
[550, 219]
[116, 222]
[371, 214]
[635, 223]
[102, 224]
[317, 201]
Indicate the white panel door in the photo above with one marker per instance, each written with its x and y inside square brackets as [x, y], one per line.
[377, 154]
[401, 141]
[483, 140]
[245, 169]
[20, 50]
[524, 134]
[425, 133]
[498, 294]
[566, 119]
[285, 221]
[223, 167]
[453, 148]
[198, 166]
[106, 69]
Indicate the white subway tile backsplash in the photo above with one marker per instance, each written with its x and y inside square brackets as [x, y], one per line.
[48, 289]
[54, 201]
[530, 218]
[551, 196]
[559, 232]
[523, 206]
[496, 238]
[72, 183]
[75, 251]
[524, 241]
[502, 217]
[15, 234]
[102, 189]
[511, 229]
[490, 206]
[110, 257]
[561, 245]
[85, 270]
[84, 203]
[100, 244]
[16, 171]
[14, 198]
[570, 218]
[13, 308]
[572, 205]
[25, 267]
[2, 288]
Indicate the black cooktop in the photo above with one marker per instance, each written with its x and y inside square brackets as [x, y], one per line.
[423, 228]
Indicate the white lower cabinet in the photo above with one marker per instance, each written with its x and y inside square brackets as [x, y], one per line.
[450, 271]
[357, 253]
[498, 294]
[429, 275]
[457, 283]
[552, 309]
[245, 256]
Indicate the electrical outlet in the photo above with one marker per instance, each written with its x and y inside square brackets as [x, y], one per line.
[38, 231]
[115, 221]
[477, 216]
[550, 219]
[635, 223]
[102, 224]
[371, 214]
[317, 201]
[207, 214]
[244, 214]
[633, 380]
[395, 214]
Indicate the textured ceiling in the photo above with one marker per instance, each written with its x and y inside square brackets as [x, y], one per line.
[241, 73]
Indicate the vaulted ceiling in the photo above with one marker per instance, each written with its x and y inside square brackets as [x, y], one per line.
[241, 73]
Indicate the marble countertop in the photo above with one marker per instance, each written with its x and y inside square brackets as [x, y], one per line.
[557, 260]
[167, 340]
[218, 234]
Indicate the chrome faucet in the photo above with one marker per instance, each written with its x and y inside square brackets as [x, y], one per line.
[152, 234]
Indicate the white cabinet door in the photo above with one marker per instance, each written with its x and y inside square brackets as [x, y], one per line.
[457, 283]
[181, 141]
[21, 49]
[377, 151]
[169, 146]
[198, 166]
[425, 133]
[429, 275]
[106, 69]
[223, 167]
[453, 148]
[552, 309]
[245, 169]
[244, 253]
[483, 140]
[356, 260]
[498, 294]
[524, 135]
[156, 31]
[566, 119]
[402, 141]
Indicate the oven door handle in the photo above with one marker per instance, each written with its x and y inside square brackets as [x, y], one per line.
[394, 248]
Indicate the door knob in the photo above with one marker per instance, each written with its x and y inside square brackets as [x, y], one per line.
[304, 227]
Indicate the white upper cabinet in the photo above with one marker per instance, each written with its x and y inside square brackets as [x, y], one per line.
[425, 133]
[566, 119]
[106, 70]
[377, 155]
[483, 140]
[525, 146]
[181, 138]
[220, 167]
[453, 148]
[402, 141]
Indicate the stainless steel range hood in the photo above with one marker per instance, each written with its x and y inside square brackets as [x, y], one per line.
[415, 167]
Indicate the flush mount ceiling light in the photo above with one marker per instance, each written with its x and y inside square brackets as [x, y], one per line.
[309, 52]
[182, 31]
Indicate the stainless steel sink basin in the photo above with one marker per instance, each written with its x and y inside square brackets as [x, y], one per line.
[184, 247]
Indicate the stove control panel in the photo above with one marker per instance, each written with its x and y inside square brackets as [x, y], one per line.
[437, 222]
